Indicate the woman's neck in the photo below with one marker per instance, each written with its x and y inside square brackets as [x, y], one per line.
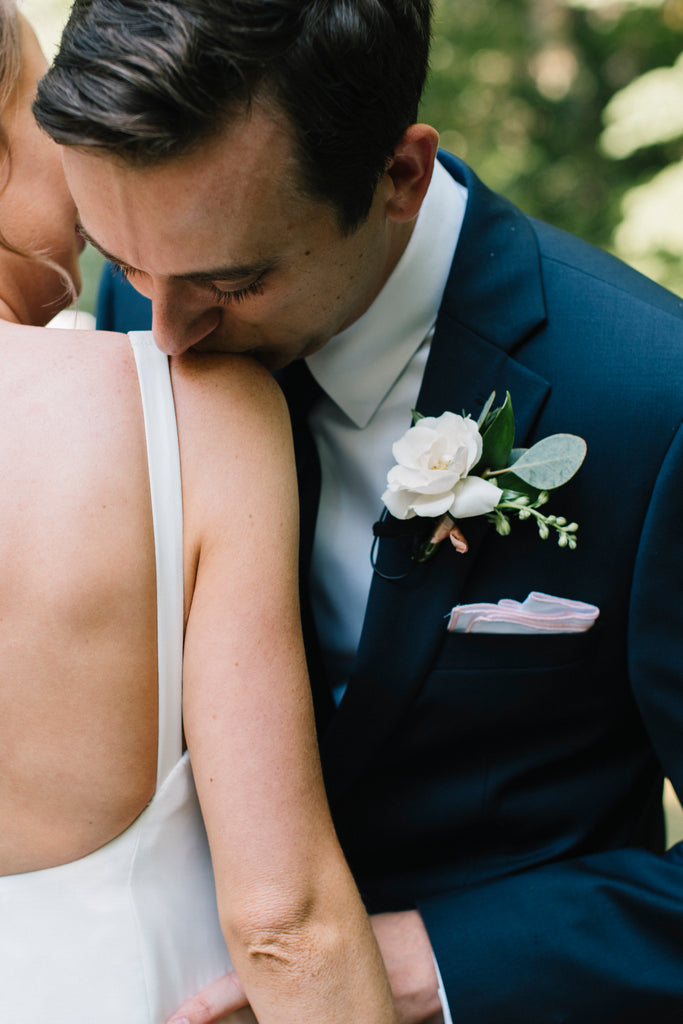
[8, 313]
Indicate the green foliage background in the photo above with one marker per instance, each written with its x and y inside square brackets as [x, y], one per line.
[521, 89]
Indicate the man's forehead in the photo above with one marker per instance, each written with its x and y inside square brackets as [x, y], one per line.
[255, 147]
[206, 206]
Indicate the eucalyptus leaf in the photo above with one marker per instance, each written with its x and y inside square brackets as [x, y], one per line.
[551, 462]
[512, 482]
[497, 437]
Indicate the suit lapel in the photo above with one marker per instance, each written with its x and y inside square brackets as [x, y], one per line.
[482, 318]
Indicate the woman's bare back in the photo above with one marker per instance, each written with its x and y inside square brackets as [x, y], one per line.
[78, 689]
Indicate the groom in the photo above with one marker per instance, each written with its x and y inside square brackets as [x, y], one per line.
[256, 170]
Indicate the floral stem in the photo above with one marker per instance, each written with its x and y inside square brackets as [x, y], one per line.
[523, 507]
[445, 527]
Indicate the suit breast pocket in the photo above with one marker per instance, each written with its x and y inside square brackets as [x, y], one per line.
[500, 681]
[511, 652]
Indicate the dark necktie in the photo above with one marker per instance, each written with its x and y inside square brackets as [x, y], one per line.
[302, 392]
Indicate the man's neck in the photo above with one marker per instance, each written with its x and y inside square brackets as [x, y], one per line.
[400, 236]
[398, 247]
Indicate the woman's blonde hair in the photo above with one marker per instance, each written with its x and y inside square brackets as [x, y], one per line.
[10, 51]
[10, 70]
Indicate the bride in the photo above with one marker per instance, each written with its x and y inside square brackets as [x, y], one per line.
[107, 904]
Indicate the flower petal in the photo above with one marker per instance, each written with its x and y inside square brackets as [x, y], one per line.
[436, 481]
[405, 504]
[474, 497]
[399, 503]
[430, 506]
[408, 449]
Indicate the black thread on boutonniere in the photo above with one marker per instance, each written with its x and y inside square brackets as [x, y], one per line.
[415, 530]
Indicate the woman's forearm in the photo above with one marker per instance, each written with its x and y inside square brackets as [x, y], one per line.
[309, 955]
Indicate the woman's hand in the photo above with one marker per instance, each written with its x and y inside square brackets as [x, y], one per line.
[215, 1004]
[407, 954]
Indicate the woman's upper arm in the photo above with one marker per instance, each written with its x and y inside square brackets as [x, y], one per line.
[247, 705]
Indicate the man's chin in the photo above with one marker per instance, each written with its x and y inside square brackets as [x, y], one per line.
[273, 359]
[277, 359]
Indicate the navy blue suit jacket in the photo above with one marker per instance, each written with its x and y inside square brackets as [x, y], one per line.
[119, 306]
[510, 787]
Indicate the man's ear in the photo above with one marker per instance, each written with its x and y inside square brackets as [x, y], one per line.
[410, 171]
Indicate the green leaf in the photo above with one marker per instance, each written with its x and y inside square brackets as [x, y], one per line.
[551, 462]
[515, 454]
[497, 436]
[512, 482]
[416, 416]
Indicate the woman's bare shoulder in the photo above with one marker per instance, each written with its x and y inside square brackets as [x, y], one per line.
[44, 351]
[235, 439]
[234, 385]
[57, 337]
[227, 402]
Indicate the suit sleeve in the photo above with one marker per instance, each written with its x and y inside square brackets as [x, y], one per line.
[595, 940]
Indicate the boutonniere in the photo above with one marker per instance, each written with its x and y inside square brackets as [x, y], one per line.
[450, 468]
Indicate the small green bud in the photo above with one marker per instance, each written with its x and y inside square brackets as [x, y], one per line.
[502, 525]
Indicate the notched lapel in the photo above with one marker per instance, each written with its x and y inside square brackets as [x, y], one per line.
[494, 288]
[405, 619]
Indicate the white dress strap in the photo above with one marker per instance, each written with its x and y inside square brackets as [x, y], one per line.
[163, 459]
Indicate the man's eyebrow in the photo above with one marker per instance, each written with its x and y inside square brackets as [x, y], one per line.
[230, 273]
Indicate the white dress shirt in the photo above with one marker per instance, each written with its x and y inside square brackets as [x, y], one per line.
[371, 375]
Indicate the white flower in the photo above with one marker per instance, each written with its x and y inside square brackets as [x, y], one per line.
[433, 459]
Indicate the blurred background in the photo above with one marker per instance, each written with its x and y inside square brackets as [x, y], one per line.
[574, 110]
[571, 108]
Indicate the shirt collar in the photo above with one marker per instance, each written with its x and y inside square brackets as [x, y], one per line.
[359, 366]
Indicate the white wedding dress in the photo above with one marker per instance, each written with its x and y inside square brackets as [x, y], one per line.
[124, 935]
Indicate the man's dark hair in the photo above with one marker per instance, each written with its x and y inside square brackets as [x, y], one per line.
[152, 80]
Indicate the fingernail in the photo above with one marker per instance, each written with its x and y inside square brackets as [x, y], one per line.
[461, 547]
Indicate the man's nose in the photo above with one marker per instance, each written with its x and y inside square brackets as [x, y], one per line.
[180, 319]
